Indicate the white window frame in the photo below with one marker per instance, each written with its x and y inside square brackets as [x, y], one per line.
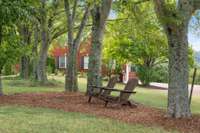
[60, 60]
[85, 62]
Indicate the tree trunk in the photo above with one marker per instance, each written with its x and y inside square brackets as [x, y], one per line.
[95, 57]
[25, 60]
[99, 16]
[24, 69]
[35, 53]
[71, 74]
[177, 30]
[178, 104]
[41, 68]
[73, 44]
[1, 65]
[1, 84]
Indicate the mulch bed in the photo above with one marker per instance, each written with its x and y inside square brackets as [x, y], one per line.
[77, 102]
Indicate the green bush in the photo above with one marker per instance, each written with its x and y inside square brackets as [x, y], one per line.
[155, 74]
[8, 69]
[145, 74]
[160, 74]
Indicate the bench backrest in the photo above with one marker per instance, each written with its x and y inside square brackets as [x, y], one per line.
[111, 84]
[130, 86]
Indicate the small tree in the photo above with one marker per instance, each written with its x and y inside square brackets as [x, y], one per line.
[10, 13]
[10, 50]
[137, 37]
[52, 25]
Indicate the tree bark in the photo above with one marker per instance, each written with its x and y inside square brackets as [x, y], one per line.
[178, 103]
[24, 68]
[1, 84]
[71, 76]
[99, 16]
[41, 65]
[35, 52]
[41, 68]
[25, 59]
[1, 65]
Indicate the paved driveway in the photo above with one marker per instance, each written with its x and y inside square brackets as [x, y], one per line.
[164, 86]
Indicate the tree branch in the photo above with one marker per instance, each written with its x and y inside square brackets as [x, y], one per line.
[140, 2]
[63, 30]
[59, 33]
[117, 19]
[69, 22]
[196, 4]
[105, 8]
[82, 25]
[74, 10]
[159, 5]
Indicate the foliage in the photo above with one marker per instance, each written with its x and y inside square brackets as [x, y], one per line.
[7, 70]
[10, 12]
[10, 48]
[138, 39]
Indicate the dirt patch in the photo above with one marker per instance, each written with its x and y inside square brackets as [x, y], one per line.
[77, 102]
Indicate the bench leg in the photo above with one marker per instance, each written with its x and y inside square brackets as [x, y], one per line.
[106, 103]
[90, 98]
[132, 105]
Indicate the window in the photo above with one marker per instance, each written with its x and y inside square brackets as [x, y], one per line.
[62, 62]
[86, 62]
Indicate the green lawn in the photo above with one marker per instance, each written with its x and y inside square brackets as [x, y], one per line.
[38, 120]
[15, 119]
[149, 97]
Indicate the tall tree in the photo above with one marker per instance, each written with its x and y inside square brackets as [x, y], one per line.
[100, 14]
[175, 17]
[41, 68]
[25, 32]
[51, 27]
[74, 42]
[34, 59]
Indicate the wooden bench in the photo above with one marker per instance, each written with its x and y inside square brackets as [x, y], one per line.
[123, 98]
[98, 91]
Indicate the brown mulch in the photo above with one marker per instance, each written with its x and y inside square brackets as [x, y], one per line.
[77, 102]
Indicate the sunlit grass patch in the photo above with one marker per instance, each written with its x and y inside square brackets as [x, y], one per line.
[38, 120]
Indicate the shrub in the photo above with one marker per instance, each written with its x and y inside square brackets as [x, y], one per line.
[8, 69]
[152, 74]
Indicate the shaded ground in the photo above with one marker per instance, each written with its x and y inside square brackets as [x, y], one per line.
[77, 102]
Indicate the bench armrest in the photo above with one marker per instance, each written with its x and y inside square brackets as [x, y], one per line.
[94, 86]
[117, 90]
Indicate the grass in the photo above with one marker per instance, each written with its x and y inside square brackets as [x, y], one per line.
[38, 120]
[149, 97]
[15, 119]
[19, 86]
